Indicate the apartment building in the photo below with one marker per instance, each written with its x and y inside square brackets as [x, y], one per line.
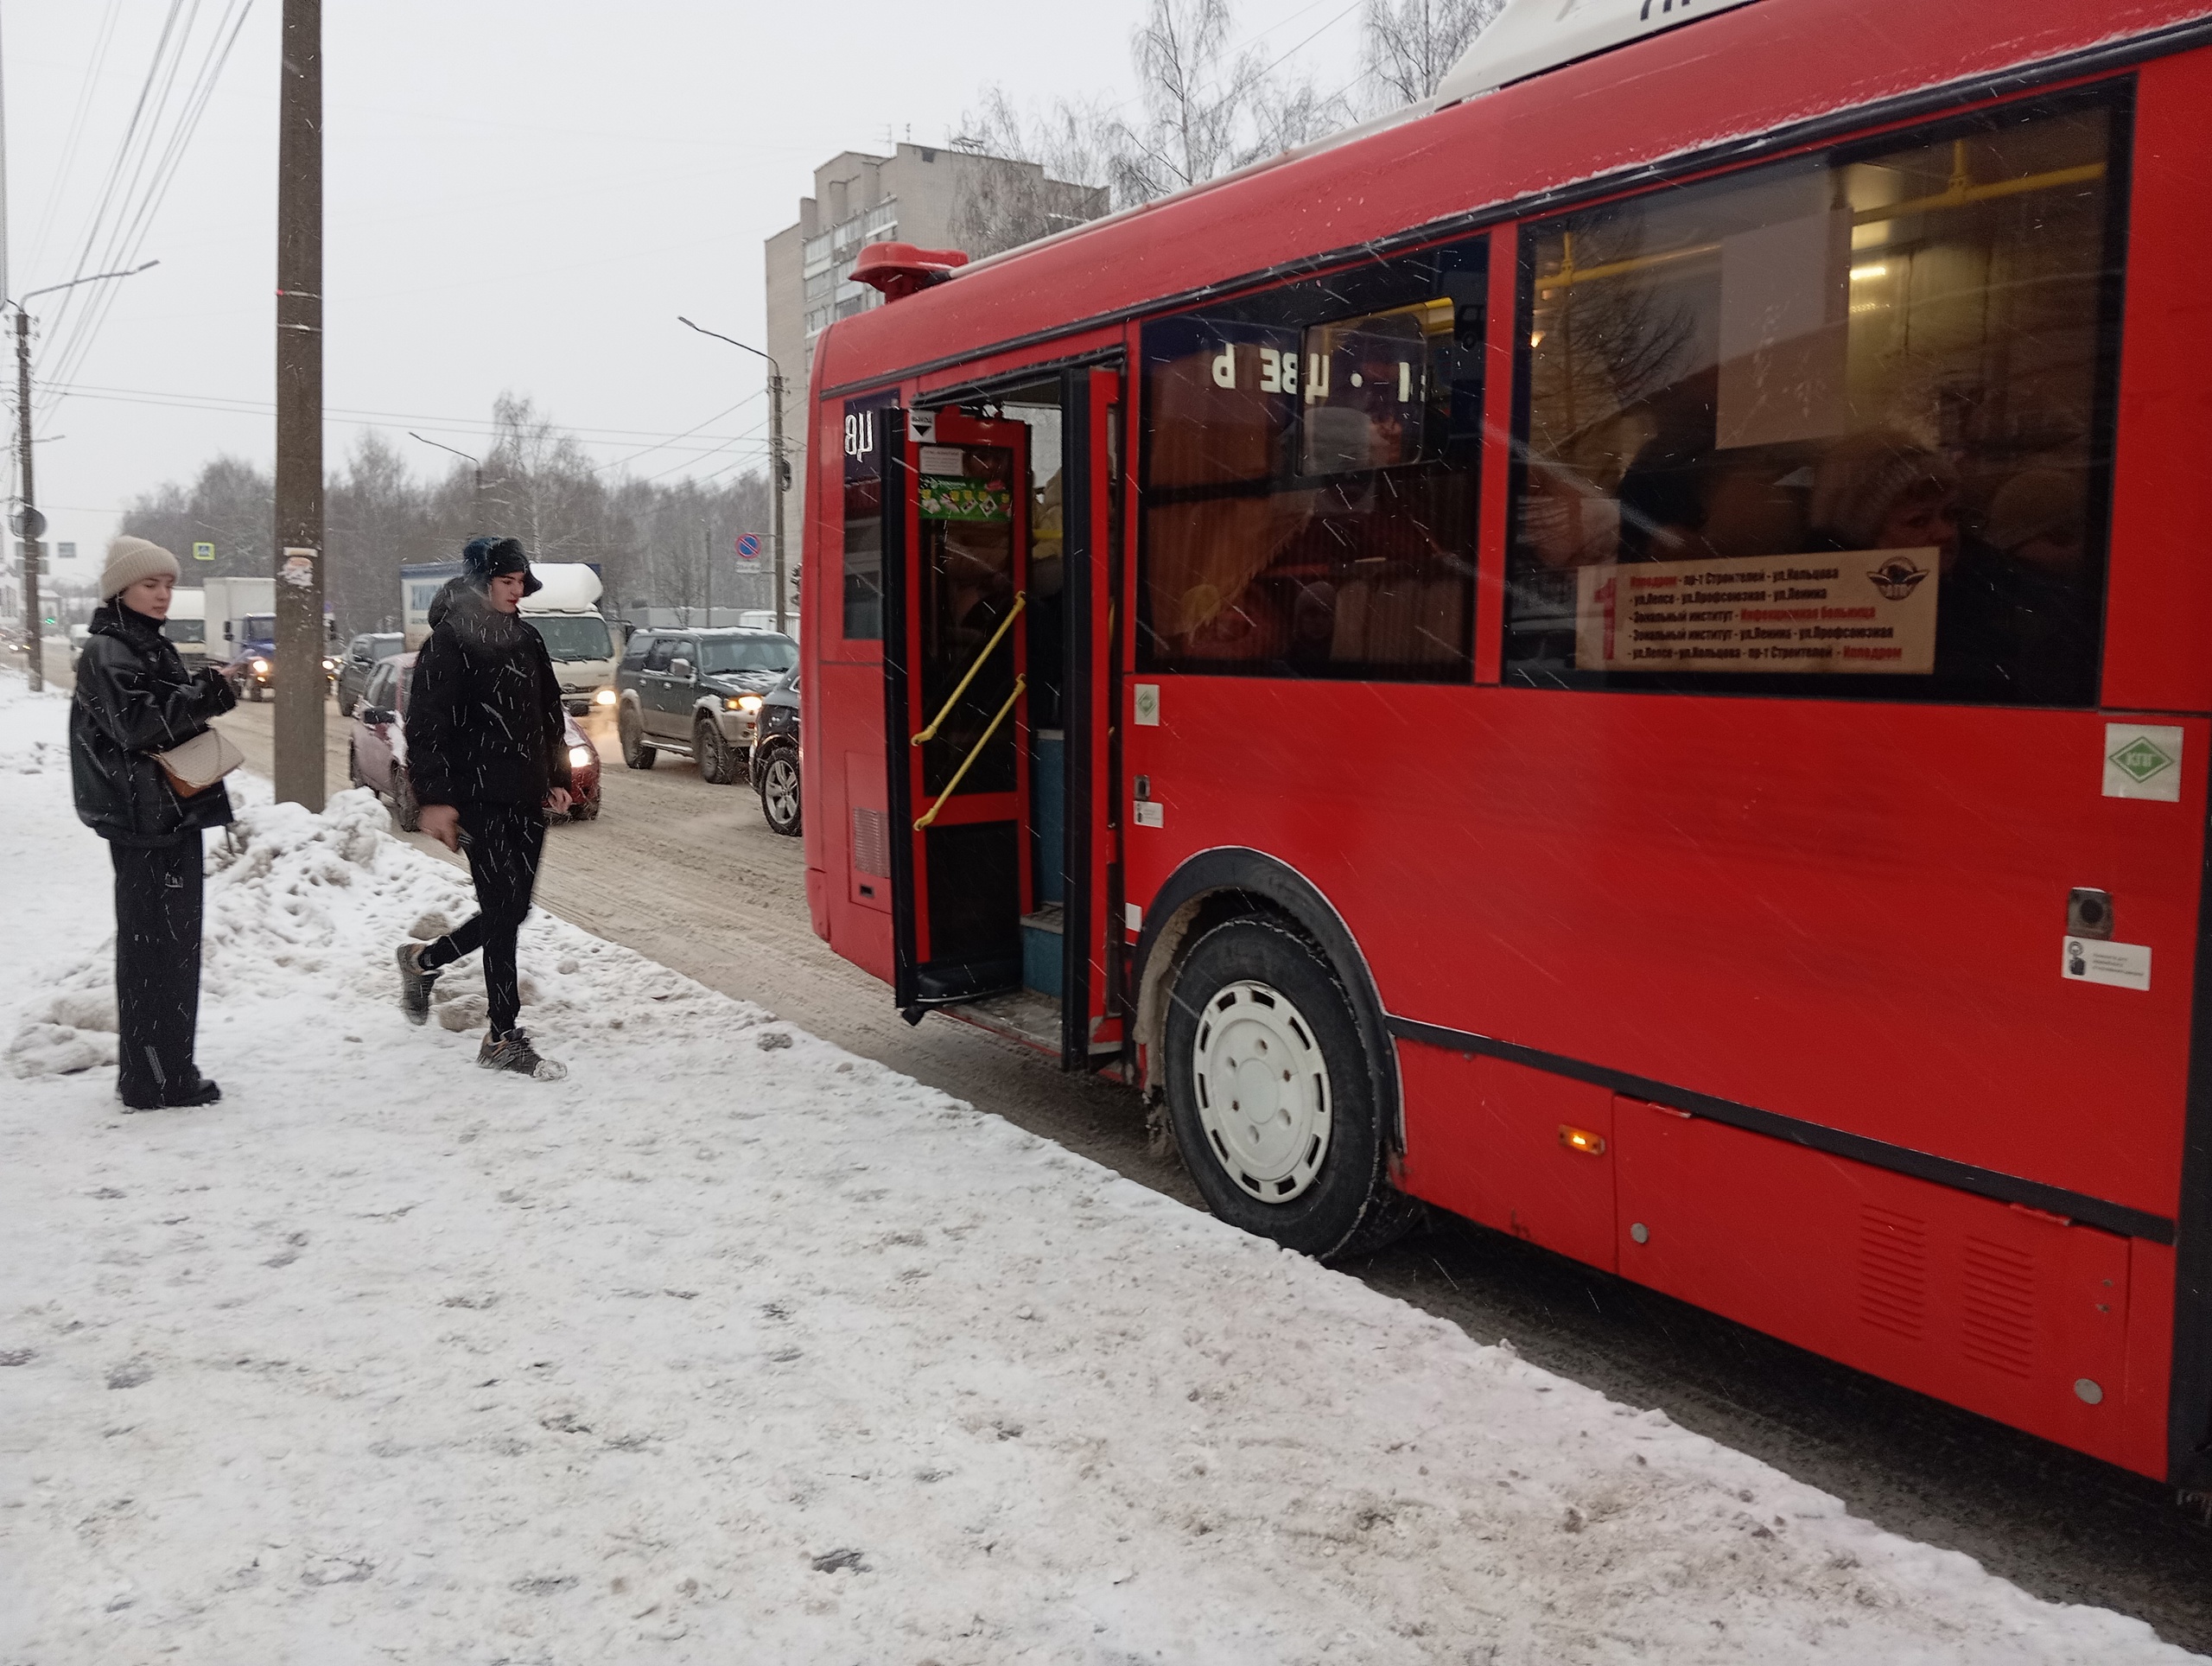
[929, 195]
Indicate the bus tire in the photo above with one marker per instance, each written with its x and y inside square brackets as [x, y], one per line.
[1270, 1096]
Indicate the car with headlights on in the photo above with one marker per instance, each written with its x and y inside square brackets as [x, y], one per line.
[699, 693]
[376, 750]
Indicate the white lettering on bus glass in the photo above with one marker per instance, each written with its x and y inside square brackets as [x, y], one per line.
[860, 432]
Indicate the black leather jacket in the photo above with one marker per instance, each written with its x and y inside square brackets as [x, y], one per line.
[484, 722]
[134, 696]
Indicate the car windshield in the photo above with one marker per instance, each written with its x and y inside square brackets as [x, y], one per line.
[573, 636]
[185, 629]
[747, 653]
[261, 627]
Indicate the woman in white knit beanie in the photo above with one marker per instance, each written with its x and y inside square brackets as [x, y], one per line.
[134, 699]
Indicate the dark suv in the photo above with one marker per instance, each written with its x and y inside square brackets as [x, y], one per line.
[362, 655]
[698, 692]
[775, 756]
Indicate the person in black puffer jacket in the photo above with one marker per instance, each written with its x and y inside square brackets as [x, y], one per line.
[134, 698]
[486, 754]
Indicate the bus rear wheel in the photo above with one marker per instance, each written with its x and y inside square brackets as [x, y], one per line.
[1270, 1096]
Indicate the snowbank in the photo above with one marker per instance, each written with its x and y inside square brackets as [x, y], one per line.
[735, 1347]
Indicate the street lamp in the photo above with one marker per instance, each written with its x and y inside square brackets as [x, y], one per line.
[476, 506]
[777, 473]
[31, 524]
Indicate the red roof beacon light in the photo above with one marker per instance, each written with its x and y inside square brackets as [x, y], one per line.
[900, 269]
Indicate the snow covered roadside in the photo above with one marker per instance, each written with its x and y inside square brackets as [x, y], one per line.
[733, 1346]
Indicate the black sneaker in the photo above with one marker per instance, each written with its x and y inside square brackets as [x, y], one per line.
[415, 984]
[513, 1051]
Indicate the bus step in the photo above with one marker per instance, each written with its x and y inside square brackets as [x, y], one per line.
[1020, 1016]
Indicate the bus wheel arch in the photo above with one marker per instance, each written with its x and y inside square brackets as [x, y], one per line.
[1225, 887]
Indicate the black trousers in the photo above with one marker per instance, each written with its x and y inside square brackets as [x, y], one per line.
[504, 843]
[157, 899]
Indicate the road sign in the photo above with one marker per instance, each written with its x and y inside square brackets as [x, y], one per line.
[65, 552]
[27, 524]
[203, 552]
[748, 547]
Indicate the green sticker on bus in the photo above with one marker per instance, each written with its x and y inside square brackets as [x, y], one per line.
[945, 497]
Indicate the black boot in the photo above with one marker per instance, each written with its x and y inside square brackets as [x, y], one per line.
[414, 984]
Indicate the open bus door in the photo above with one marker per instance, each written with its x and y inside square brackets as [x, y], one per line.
[1004, 878]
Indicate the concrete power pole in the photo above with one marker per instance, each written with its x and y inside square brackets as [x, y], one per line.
[300, 685]
[780, 474]
[33, 525]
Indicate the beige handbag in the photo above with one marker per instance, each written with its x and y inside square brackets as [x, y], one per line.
[199, 763]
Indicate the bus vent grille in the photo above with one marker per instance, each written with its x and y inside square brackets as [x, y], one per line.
[2000, 1307]
[1892, 1271]
[872, 842]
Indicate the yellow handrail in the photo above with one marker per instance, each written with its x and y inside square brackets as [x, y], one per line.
[1020, 600]
[975, 751]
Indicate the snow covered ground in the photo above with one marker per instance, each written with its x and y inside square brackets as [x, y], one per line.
[735, 1347]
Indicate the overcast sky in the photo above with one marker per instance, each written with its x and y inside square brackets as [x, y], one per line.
[518, 195]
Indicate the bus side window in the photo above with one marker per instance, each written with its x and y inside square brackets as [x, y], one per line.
[1838, 425]
[1310, 467]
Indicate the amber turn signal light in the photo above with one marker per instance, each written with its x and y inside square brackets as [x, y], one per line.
[1582, 1140]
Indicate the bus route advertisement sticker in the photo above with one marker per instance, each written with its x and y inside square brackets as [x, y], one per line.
[2143, 760]
[2123, 965]
[1863, 611]
[946, 498]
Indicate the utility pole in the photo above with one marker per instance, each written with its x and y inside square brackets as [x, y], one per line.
[32, 523]
[779, 471]
[299, 683]
[707, 538]
[779, 474]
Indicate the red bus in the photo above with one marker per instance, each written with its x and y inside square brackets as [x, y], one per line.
[1571, 654]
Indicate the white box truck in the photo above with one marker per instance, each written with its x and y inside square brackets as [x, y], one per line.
[565, 611]
[240, 622]
[187, 627]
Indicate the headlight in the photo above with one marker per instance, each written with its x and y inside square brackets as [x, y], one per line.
[579, 756]
[603, 697]
[261, 668]
[330, 665]
[747, 703]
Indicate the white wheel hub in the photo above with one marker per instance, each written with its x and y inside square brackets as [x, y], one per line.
[1264, 1091]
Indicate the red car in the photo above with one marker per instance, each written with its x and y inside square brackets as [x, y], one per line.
[376, 757]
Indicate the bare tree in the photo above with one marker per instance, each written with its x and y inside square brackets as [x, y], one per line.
[1204, 108]
[1032, 176]
[1412, 44]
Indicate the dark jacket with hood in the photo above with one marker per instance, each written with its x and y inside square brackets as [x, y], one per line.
[134, 698]
[484, 722]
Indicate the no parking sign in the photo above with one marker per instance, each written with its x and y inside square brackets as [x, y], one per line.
[749, 549]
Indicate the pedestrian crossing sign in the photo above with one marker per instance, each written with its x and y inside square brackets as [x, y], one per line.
[203, 552]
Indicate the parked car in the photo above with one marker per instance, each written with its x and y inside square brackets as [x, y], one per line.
[697, 692]
[776, 756]
[363, 655]
[376, 753]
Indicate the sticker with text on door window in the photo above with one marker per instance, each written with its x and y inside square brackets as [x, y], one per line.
[2143, 760]
[2123, 965]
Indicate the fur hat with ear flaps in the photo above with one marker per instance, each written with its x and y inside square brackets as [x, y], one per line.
[487, 558]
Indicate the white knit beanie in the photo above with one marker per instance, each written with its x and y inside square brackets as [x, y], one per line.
[130, 559]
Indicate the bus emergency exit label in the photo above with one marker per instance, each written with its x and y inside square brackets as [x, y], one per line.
[1862, 611]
